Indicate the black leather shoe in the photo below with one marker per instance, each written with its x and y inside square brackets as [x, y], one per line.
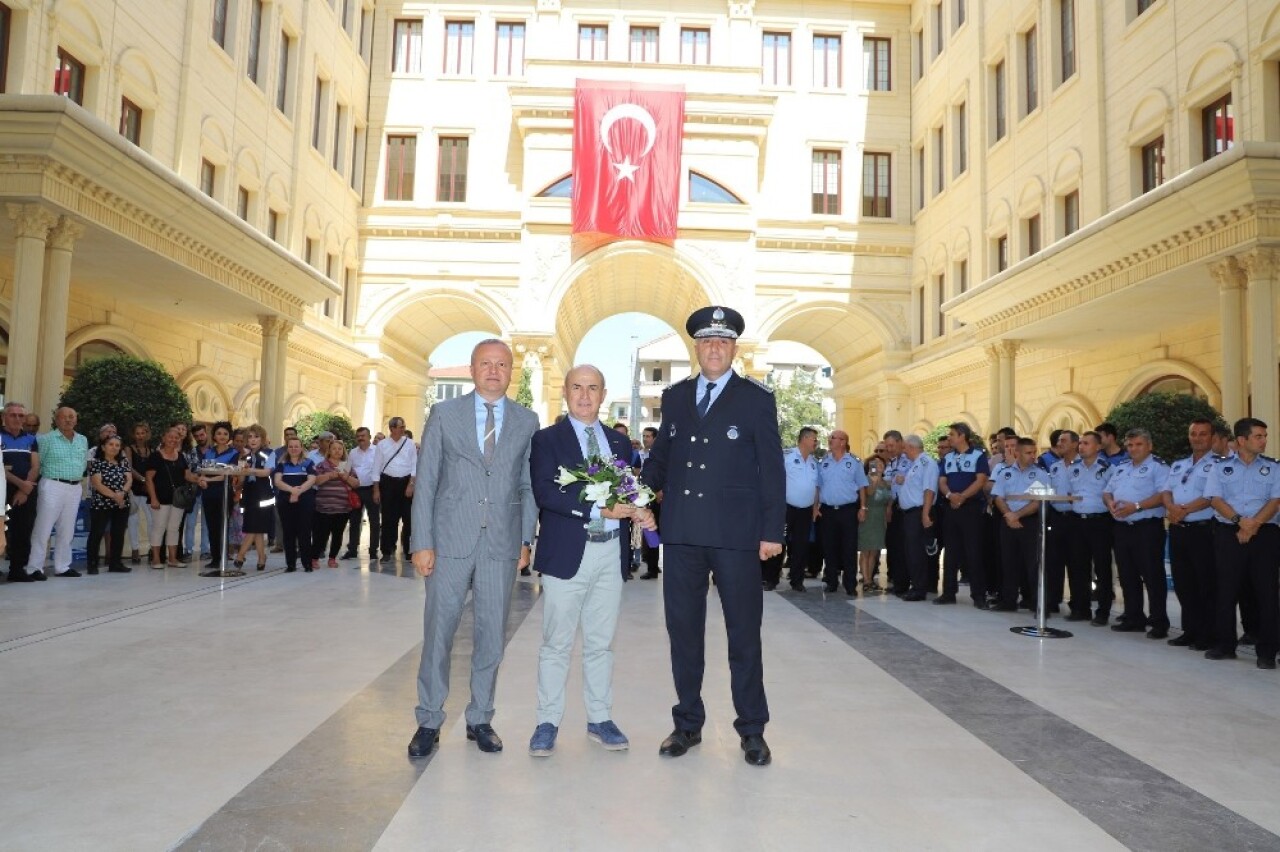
[1216, 654]
[1004, 607]
[770, 587]
[679, 742]
[70, 572]
[20, 575]
[981, 603]
[1078, 616]
[485, 738]
[648, 575]
[944, 599]
[1182, 641]
[424, 742]
[1128, 627]
[37, 576]
[1100, 620]
[1158, 633]
[351, 554]
[757, 750]
[796, 588]
[1266, 664]
[831, 588]
[913, 597]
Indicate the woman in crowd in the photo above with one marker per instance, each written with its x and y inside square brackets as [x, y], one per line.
[110, 474]
[138, 452]
[216, 489]
[333, 483]
[295, 476]
[871, 531]
[167, 469]
[257, 497]
[191, 514]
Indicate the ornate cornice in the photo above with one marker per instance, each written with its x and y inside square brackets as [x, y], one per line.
[441, 232]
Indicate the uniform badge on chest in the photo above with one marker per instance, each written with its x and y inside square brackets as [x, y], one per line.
[671, 431]
[732, 433]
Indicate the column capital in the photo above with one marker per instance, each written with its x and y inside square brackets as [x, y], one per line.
[64, 234]
[1228, 273]
[270, 325]
[31, 220]
[742, 10]
[992, 352]
[1261, 262]
[1008, 348]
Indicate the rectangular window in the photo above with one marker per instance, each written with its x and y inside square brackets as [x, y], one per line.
[207, 174]
[1153, 164]
[917, 54]
[330, 261]
[131, 121]
[255, 39]
[273, 225]
[219, 26]
[826, 61]
[68, 78]
[452, 182]
[1030, 80]
[876, 64]
[1002, 253]
[695, 46]
[6, 24]
[962, 276]
[366, 36]
[939, 160]
[939, 296]
[775, 61]
[593, 42]
[657, 374]
[309, 251]
[242, 203]
[920, 311]
[357, 158]
[406, 47]
[347, 313]
[826, 182]
[508, 49]
[339, 126]
[402, 157]
[938, 32]
[1144, 5]
[1217, 127]
[876, 193]
[962, 138]
[282, 79]
[961, 13]
[998, 102]
[1033, 235]
[1070, 213]
[644, 44]
[347, 18]
[317, 117]
[1067, 37]
[459, 37]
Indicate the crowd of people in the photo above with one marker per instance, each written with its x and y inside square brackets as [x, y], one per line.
[966, 516]
[229, 482]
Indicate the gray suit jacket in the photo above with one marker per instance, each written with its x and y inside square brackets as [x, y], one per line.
[455, 496]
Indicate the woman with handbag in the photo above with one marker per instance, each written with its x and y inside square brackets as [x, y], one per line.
[334, 493]
[215, 489]
[257, 496]
[138, 453]
[171, 489]
[295, 476]
[109, 478]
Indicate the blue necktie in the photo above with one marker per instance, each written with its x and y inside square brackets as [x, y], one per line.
[596, 526]
[705, 402]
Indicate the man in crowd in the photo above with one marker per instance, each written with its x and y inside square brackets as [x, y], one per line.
[916, 484]
[584, 557]
[321, 451]
[649, 552]
[1020, 534]
[1060, 526]
[21, 470]
[395, 465]
[195, 514]
[1191, 553]
[475, 517]
[894, 459]
[718, 461]
[842, 505]
[362, 458]
[64, 452]
[962, 484]
[1134, 500]
[1113, 452]
[1089, 550]
[801, 467]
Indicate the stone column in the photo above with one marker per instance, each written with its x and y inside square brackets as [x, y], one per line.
[281, 365]
[1231, 284]
[31, 227]
[53, 313]
[993, 388]
[1007, 353]
[1262, 265]
[374, 391]
[894, 411]
[268, 390]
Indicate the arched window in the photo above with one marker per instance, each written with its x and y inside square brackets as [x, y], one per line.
[704, 190]
[1174, 384]
[563, 188]
[88, 351]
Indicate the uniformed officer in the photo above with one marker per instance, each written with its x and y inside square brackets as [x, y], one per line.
[718, 462]
[1191, 557]
[1060, 520]
[1224, 447]
[842, 499]
[1004, 454]
[801, 466]
[1133, 498]
[1020, 535]
[917, 486]
[965, 471]
[1245, 495]
[1089, 550]
[21, 471]
[895, 566]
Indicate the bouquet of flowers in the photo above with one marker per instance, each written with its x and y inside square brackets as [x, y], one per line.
[609, 481]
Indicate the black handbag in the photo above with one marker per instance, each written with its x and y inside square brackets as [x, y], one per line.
[184, 496]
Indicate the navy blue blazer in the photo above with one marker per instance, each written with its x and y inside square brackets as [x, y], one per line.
[563, 517]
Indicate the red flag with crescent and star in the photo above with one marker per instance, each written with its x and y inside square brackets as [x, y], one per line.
[626, 161]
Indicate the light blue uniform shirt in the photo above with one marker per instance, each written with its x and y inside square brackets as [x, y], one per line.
[918, 477]
[1133, 483]
[482, 414]
[1015, 480]
[1187, 481]
[892, 468]
[840, 479]
[1245, 487]
[802, 477]
[580, 429]
[715, 392]
[1088, 482]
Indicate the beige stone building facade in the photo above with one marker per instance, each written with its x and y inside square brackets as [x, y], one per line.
[1012, 212]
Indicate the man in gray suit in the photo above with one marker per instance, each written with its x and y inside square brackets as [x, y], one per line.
[473, 521]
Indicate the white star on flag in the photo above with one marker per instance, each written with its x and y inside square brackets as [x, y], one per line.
[626, 171]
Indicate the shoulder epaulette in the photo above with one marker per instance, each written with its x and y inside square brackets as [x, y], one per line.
[679, 383]
[1155, 458]
[759, 384]
[1270, 459]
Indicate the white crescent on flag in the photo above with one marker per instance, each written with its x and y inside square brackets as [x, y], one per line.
[627, 170]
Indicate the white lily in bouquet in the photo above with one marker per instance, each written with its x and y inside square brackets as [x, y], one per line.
[609, 481]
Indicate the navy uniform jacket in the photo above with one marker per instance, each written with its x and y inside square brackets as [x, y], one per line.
[722, 478]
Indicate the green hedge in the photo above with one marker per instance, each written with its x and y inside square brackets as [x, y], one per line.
[1166, 416]
[313, 424]
[124, 390]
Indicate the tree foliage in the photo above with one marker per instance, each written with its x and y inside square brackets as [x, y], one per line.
[799, 404]
[524, 393]
[311, 425]
[124, 390]
[1166, 416]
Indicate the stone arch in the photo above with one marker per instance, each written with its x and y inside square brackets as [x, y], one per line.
[125, 340]
[938, 259]
[1000, 216]
[420, 319]
[1083, 413]
[277, 190]
[1148, 373]
[247, 403]
[209, 399]
[79, 30]
[1215, 63]
[213, 139]
[138, 78]
[249, 168]
[1149, 115]
[923, 427]
[311, 224]
[297, 406]
[1067, 171]
[831, 328]
[340, 410]
[1031, 197]
[961, 245]
[1022, 421]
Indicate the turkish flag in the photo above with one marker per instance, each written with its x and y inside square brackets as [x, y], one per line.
[626, 161]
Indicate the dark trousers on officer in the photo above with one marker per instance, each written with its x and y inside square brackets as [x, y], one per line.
[684, 595]
[1060, 527]
[649, 552]
[396, 511]
[840, 545]
[367, 506]
[993, 549]
[916, 562]
[815, 549]
[799, 527]
[1089, 562]
[1253, 563]
[963, 527]
[1019, 561]
[895, 555]
[21, 520]
[1191, 561]
[1139, 547]
[935, 543]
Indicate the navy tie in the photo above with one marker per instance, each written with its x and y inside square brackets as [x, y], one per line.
[705, 402]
